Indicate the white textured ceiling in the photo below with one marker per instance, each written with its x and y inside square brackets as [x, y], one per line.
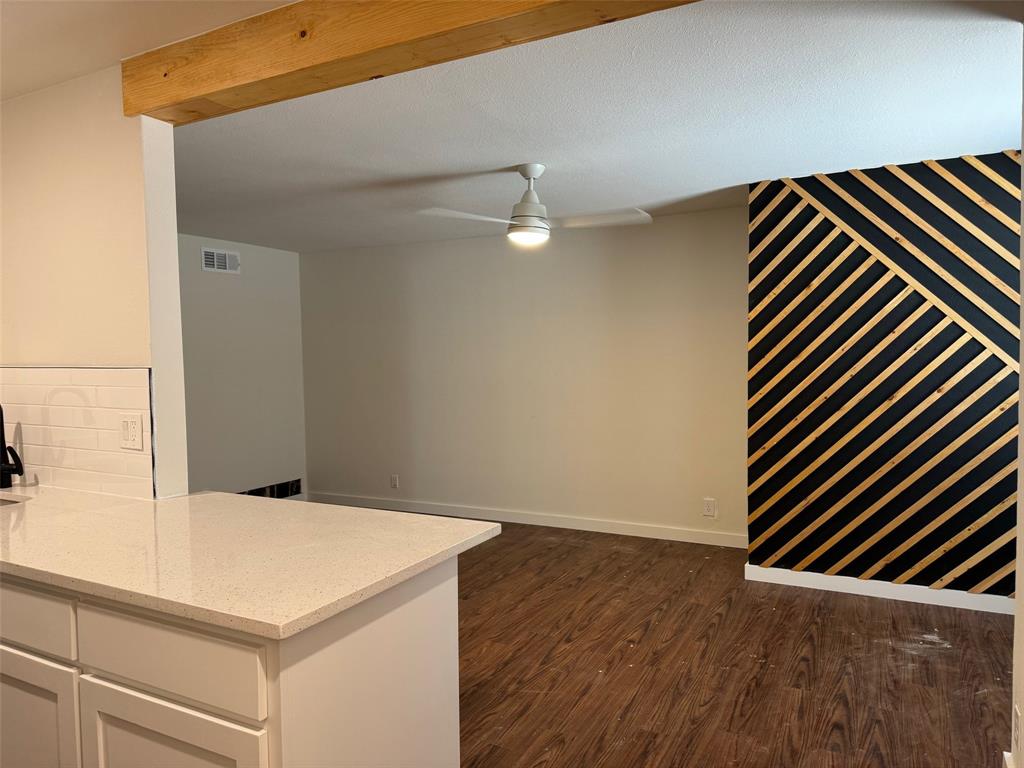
[45, 42]
[657, 112]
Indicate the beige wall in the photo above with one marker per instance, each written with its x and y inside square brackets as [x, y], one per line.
[88, 250]
[599, 379]
[73, 251]
[243, 368]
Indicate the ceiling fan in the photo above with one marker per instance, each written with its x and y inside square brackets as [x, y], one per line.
[529, 224]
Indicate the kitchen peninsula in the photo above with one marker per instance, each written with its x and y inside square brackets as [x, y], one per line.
[225, 630]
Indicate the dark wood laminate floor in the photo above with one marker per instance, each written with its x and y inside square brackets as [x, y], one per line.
[598, 651]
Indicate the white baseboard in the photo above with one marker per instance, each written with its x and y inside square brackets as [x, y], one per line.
[622, 527]
[913, 593]
[1008, 760]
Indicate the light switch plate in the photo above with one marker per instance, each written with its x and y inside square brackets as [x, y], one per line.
[131, 431]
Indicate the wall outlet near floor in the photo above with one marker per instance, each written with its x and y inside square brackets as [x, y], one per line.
[394, 482]
[131, 431]
[710, 507]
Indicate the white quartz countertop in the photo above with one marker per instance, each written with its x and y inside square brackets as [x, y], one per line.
[268, 567]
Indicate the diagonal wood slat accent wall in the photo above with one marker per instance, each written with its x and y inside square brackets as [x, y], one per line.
[883, 372]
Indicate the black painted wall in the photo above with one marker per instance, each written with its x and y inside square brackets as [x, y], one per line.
[883, 373]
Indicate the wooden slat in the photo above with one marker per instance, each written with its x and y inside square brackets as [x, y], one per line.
[859, 302]
[788, 249]
[794, 273]
[840, 473]
[933, 266]
[846, 407]
[1008, 256]
[880, 504]
[315, 45]
[960, 186]
[948, 482]
[944, 516]
[956, 539]
[838, 384]
[818, 279]
[986, 551]
[994, 579]
[816, 310]
[818, 340]
[908, 481]
[757, 190]
[883, 343]
[991, 278]
[1013, 154]
[991, 175]
[766, 211]
[945, 308]
[767, 240]
[897, 520]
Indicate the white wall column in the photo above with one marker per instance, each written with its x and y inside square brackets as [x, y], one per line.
[170, 447]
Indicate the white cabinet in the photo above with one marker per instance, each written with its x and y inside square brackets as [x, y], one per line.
[85, 684]
[38, 712]
[38, 620]
[217, 672]
[122, 728]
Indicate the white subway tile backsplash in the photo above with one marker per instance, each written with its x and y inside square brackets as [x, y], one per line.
[127, 486]
[137, 465]
[65, 422]
[57, 437]
[111, 377]
[46, 376]
[114, 462]
[77, 480]
[136, 398]
[35, 475]
[39, 415]
[111, 441]
[44, 455]
[63, 416]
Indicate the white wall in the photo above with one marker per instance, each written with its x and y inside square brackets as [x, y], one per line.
[74, 261]
[167, 374]
[243, 368]
[598, 382]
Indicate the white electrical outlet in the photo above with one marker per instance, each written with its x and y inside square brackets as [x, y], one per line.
[394, 481]
[131, 431]
[710, 507]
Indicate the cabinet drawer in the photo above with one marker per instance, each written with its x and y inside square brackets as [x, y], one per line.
[38, 620]
[225, 674]
[122, 728]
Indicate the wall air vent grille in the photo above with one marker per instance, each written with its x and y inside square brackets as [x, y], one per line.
[221, 261]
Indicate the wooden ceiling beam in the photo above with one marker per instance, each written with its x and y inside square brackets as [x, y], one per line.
[316, 45]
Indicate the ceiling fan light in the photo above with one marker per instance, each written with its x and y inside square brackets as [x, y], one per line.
[528, 236]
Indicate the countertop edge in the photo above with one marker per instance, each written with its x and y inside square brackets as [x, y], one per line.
[221, 620]
[299, 623]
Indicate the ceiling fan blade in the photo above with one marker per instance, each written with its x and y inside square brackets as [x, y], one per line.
[624, 217]
[447, 213]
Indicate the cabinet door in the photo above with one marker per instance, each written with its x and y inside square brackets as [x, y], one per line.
[122, 728]
[38, 712]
